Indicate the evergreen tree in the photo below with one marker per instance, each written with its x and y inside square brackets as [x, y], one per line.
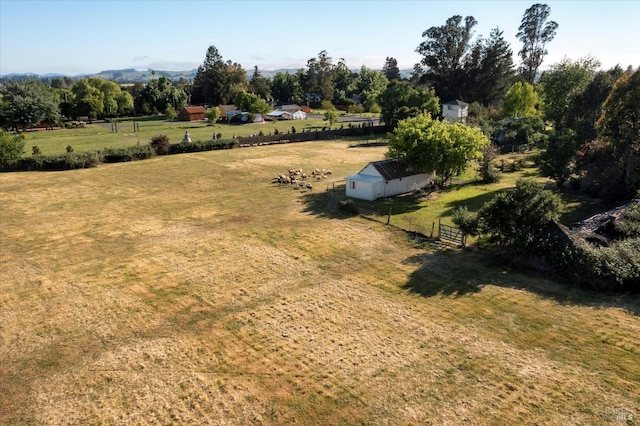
[390, 69]
[216, 82]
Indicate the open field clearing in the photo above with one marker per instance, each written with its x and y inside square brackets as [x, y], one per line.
[100, 135]
[189, 289]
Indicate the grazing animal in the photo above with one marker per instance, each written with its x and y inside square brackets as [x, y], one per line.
[310, 187]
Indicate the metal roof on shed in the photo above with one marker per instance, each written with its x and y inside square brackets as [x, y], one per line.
[392, 169]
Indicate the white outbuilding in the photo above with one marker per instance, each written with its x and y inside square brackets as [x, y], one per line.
[385, 178]
[455, 111]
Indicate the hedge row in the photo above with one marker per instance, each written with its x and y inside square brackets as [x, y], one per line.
[68, 161]
[200, 146]
[86, 159]
[121, 155]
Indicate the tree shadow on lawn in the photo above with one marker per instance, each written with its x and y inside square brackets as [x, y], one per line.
[457, 272]
[472, 203]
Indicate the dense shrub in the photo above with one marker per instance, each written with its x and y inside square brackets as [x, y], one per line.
[613, 268]
[199, 146]
[170, 113]
[133, 153]
[607, 268]
[513, 219]
[68, 161]
[629, 225]
[11, 148]
[465, 220]
[348, 206]
[160, 144]
[35, 150]
[69, 148]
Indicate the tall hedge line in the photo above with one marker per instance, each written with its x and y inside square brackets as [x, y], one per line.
[68, 161]
[85, 159]
[199, 146]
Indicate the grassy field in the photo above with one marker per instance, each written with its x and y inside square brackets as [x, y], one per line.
[101, 135]
[189, 289]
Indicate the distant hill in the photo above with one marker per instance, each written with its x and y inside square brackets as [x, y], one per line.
[131, 75]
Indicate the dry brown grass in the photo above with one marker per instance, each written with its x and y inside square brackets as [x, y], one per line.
[190, 290]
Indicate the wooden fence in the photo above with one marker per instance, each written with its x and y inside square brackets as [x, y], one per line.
[309, 136]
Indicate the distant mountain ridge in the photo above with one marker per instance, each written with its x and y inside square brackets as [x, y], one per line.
[132, 75]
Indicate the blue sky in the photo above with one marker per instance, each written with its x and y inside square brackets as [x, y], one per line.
[75, 37]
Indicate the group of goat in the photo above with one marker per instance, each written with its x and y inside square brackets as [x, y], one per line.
[299, 179]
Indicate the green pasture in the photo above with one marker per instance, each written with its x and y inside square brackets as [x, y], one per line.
[100, 135]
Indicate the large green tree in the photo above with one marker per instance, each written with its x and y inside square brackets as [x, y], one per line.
[520, 100]
[11, 148]
[27, 103]
[445, 46]
[344, 82]
[514, 219]
[400, 100]
[429, 145]
[586, 107]
[286, 88]
[96, 97]
[562, 83]
[319, 78]
[443, 53]
[370, 84]
[494, 72]
[216, 81]
[557, 161]
[160, 94]
[250, 102]
[260, 85]
[535, 32]
[620, 127]
[87, 100]
[390, 69]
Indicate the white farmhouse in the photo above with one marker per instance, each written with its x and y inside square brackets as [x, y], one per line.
[455, 111]
[385, 178]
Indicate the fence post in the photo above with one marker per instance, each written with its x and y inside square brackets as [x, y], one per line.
[389, 216]
[433, 225]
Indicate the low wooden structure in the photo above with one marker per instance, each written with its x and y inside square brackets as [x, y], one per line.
[192, 113]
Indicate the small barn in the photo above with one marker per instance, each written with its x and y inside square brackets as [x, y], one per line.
[279, 114]
[455, 111]
[192, 113]
[385, 178]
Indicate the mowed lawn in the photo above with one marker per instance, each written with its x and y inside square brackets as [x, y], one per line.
[189, 289]
[123, 134]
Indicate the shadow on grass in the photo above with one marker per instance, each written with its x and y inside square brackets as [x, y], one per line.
[324, 201]
[368, 144]
[459, 272]
[472, 203]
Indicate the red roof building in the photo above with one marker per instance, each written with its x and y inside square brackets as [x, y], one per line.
[192, 113]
